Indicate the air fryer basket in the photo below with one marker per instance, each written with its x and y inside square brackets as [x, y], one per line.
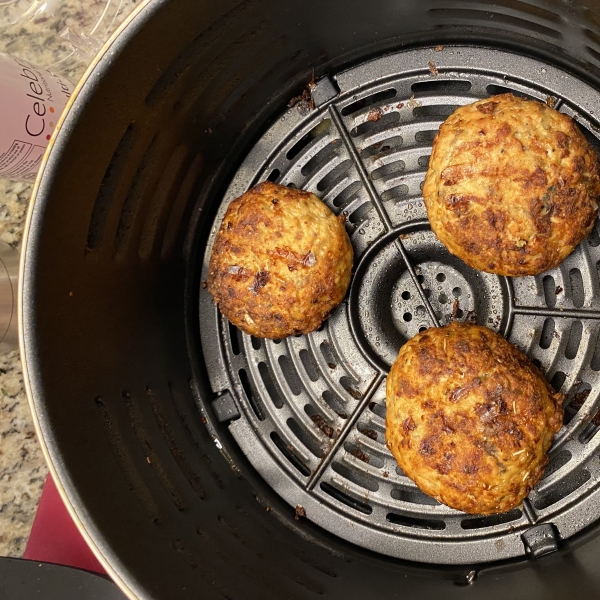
[183, 446]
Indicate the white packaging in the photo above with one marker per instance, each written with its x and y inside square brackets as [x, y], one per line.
[31, 101]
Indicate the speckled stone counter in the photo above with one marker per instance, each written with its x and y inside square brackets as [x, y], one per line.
[43, 41]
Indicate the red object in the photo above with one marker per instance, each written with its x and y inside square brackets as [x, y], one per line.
[55, 538]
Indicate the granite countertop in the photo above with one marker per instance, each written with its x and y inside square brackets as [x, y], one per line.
[42, 40]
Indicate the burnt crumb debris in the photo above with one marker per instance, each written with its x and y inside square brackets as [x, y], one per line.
[304, 102]
[353, 392]
[471, 317]
[551, 101]
[370, 433]
[579, 398]
[305, 96]
[300, 512]
[412, 103]
[358, 453]
[455, 309]
[374, 115]
[322, 424]
[432, 68]
[203, 285]
[400, 105]
[438, 48]
[558, 290]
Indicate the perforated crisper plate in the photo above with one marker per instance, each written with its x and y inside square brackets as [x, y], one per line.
[312, 408]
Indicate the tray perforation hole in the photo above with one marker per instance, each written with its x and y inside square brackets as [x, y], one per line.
[495, 90]
[556, 462]
[268, 382]
[255, 403]
[308, 362]
[274, 175]
[576, 287]
[398, 192]
[547, 334]
[423, 161]
[329, 354]
[234, 338]
[289, 455]
[435, 111]
[362, 454]
[347, 195]
[406, 521]
[337, 174]
[387, 121]
[355, 477]
[377, 409]
[425, 137]
[361, 214]
[368, 101]
[290, 374]
[442, 86]
[305, 437]
[575, 400]
[317, 131]
[595, 361]
[557, 380]
[594, 238]
[335, 403]
[383, 148]
[590, 431]
[574, 340]
[320, 421]
[346, 499]
[350, 386]
[322, 158]
[491, 520]
[390, 170]
[413, 496]
[573, 481]
[549, 286]
[369, 431]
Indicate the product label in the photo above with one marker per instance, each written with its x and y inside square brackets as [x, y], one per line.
[31, 101]
[21, 160]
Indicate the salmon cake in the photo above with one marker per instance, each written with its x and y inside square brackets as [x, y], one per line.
[281, 261]
[470, 419]
[512, 185]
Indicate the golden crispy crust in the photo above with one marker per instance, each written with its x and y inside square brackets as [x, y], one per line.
[512, 185]
[280, 263]
[469, 418]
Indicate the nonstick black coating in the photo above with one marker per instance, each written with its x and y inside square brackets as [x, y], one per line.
[110, 288]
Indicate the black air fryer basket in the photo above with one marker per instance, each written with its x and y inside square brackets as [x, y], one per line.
[203, 463]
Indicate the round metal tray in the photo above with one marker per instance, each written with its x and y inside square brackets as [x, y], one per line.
[309, 411]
